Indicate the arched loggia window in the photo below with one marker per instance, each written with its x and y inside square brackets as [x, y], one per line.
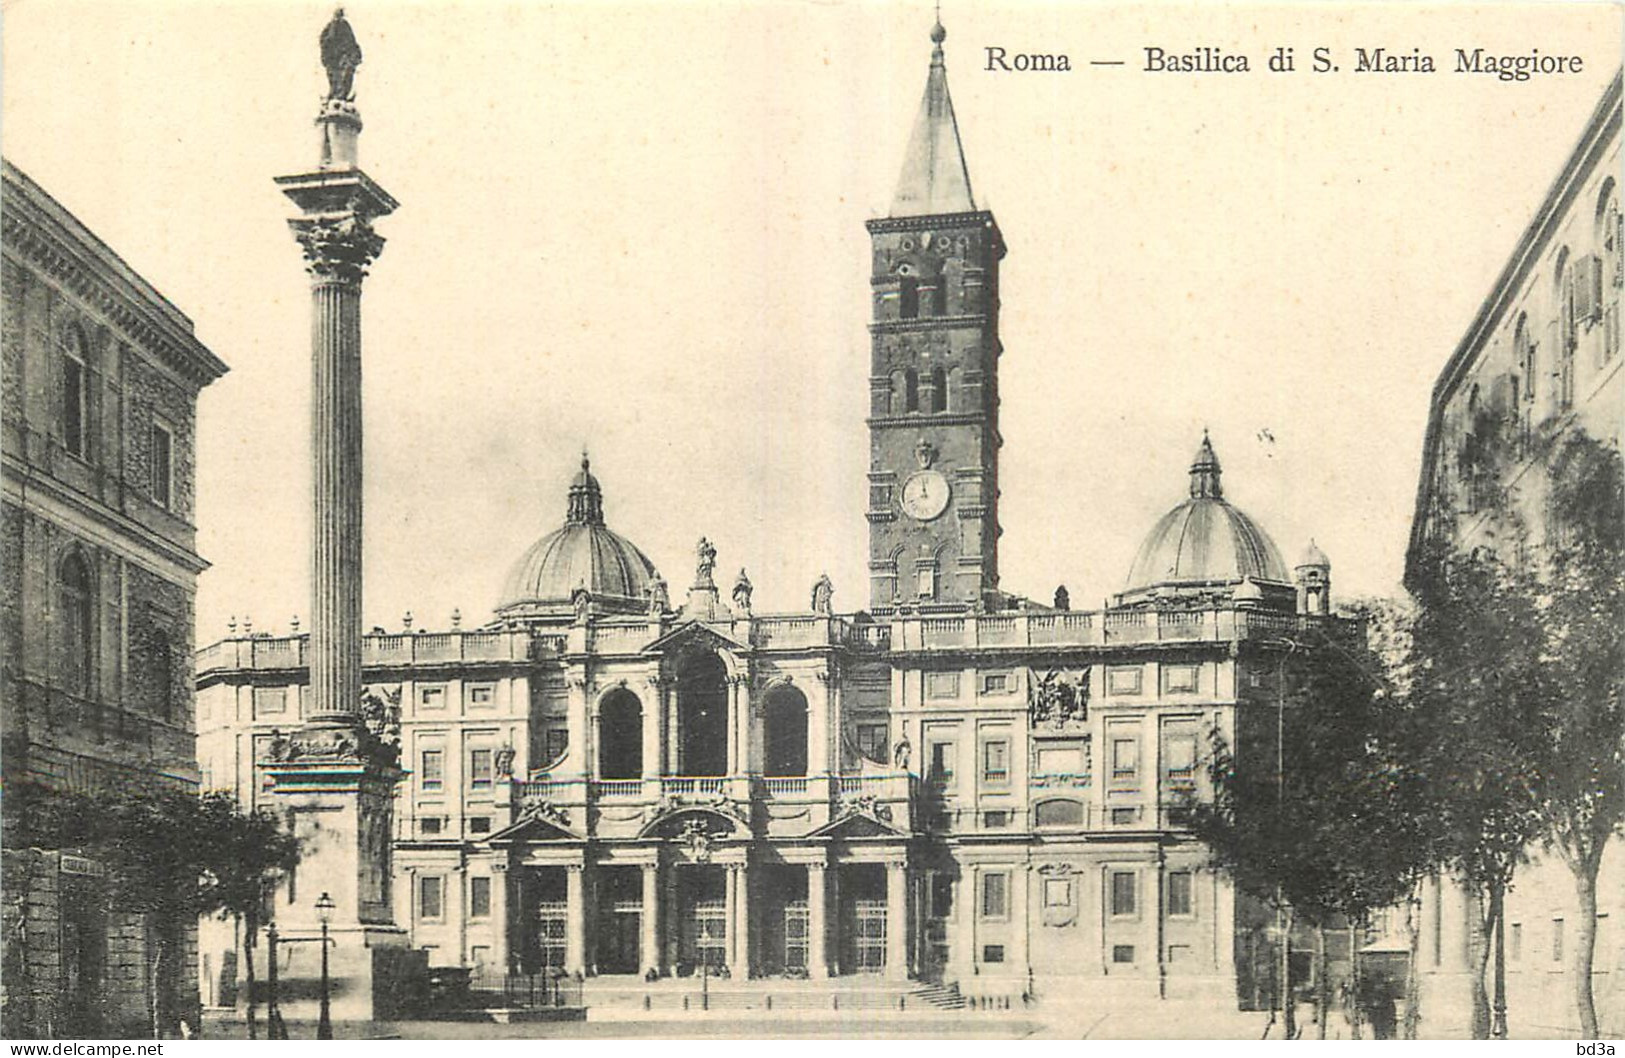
[785, 733]
[620, 736]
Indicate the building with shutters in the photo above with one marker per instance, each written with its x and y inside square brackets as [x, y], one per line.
[614, 776]
[1541, 359]
[99, 569]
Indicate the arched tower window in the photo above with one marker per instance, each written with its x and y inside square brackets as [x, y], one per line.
[620, 736]
[939, 389]
[1610, 235]
[160, 673]
[75, 416]
[939, 297]
[76, 624]
[911, 390]
[785, 733]
[702, 716]
[1568, 332]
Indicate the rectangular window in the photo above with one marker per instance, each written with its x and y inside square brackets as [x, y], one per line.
[1057, 892]
[942, 896]
[872, 742]
[432, 696]
[942, 685]
[431, 826]
[996, 820]
[1179, 893]
[161, 465]
[1179, 753]
[1122, 953]
[479, 769]
[1557, 940]
[1125, 816]
[1179, 679]
[996, 762]
[1516, 941]
[558, 740]
[479, 897]
[270, 701]
[1123, 893]
[430, 894]
[1125, 758]
[996, 683]
[479, 824]
[941, 764]
[432, 769]
[995, 895]
[992, 953]
[481, 695]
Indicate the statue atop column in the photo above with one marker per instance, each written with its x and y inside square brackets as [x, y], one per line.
[340, 56]
[823, 591]
[705, 556]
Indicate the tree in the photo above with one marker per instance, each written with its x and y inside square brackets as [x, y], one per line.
[1478, 726]
[252, 853]
[1582, 622]
[1323, 824]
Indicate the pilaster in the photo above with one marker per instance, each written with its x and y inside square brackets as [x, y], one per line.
[897, 923]
[817, 919]
[650, 921]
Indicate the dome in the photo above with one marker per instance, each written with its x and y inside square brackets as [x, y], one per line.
[1314, 556]
[1205, 540]
[583, 554]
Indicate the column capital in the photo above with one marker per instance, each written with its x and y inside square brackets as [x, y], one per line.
[337, 248]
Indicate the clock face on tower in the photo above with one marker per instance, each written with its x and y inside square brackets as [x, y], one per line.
[925, 495]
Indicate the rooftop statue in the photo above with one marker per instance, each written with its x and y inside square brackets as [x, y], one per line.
[340, 56]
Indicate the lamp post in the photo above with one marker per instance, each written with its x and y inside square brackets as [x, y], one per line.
[324, 1020]
[274, 1028]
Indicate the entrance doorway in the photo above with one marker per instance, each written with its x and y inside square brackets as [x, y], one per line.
[620, 914]
[702, 911]
[863, 918]
[785, 921]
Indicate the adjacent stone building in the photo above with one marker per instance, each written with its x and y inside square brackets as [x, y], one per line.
[613, 777]
[99, 566]
[1540, 359]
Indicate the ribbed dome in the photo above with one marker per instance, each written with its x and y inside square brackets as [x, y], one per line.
[1205, 540]
[581, 554]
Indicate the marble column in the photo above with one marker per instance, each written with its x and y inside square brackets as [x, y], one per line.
[817, 918]
[897, 920]
[649, 920]
[740, 925]
[575, 919]
[730, 914]
[650, 718]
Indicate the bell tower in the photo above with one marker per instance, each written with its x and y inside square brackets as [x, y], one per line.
[933, 380]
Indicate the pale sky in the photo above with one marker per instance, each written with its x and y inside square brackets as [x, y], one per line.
[639, 228]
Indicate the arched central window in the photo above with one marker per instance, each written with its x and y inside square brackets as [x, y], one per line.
[911, 390]
[702, 716]
[75, 613]
[785, 733]
[939, 389]
[620, 736]
[1568, 332]
[1609, 237]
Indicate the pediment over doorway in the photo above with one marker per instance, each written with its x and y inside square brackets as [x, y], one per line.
[696, 635]
[539, 821]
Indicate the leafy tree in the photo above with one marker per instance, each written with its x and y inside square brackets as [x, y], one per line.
[1331, 827]
[252, 853]
[1478, 724]
[1582, 621]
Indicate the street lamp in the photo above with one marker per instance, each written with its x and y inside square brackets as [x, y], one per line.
[324, 1020]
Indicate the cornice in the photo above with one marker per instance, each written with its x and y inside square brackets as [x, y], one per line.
[40, 234]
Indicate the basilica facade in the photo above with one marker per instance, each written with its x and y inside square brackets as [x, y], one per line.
[616, 775]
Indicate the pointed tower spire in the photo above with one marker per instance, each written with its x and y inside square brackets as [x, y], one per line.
[934, 178]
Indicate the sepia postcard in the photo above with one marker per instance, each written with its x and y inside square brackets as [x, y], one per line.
[812, 519]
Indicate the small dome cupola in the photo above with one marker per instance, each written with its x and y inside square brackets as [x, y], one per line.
[586, 498]
[581, 556]
[1205, 472]
[1205, 548]
[1313, 575]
